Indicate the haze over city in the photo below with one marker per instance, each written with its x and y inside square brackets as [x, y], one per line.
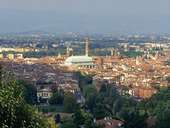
[84, 64]
[85, 16]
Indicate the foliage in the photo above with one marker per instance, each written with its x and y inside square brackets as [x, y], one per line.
[133, 119]
[81, 118]
[29, 92]
[50, 108]
[14, 111]
[108, 103]
[52, 123]
[159, 106]
[84, 80]
[100, 103]
[57, 98]
[131, 53]
[68, 123]
[69, 102]
[90, 94]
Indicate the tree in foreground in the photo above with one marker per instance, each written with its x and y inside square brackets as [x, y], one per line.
[14, 111]
[68, 123]
[69, 103]
[57, 98]
[84, 119]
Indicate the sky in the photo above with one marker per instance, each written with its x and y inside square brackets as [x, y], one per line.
[85, 16]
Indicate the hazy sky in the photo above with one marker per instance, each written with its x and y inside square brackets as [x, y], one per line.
[85, 16]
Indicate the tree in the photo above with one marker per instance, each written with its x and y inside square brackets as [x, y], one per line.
[14, 111]
[117, 105]
[69, 102]
[52, 123]
[68, 123]
[161, 108]
[158, 107]
[79, 117]
[89, 123]
[29, 92]
[84, 119]
[57, 98]
[163, 119]
[134, 120]
[84, 80]
[100, 111]
[90, 94]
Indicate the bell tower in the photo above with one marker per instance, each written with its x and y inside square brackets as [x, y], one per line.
[87, 47]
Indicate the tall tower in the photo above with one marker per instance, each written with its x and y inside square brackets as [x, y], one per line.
[87, 47]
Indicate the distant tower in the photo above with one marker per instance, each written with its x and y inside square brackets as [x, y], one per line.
[87, 47]
[112, 52]
[69, 51]
[34, 46]
[46, 46]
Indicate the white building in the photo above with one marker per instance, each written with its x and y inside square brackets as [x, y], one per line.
[80, 61]
[44, 95]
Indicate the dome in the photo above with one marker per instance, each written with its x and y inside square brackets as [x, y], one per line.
[78, 60]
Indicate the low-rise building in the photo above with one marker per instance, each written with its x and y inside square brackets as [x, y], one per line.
[43, 95]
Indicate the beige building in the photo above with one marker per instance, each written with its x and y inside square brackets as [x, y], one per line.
[44, 95]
